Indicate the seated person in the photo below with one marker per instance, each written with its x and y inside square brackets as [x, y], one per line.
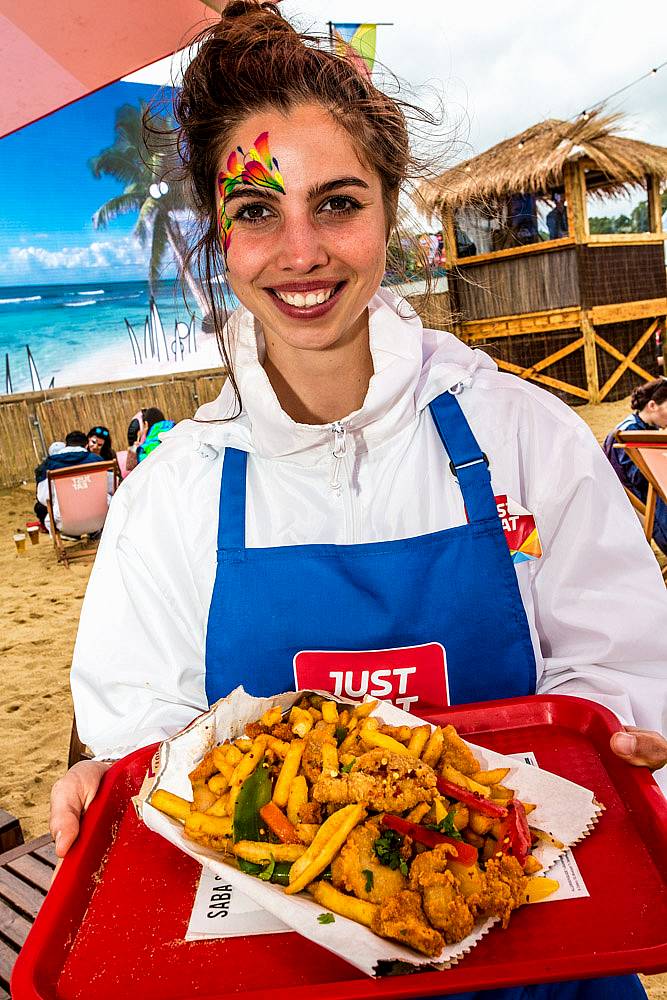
[649, 406]
[99, 443]
[61, 456]
[145, 427]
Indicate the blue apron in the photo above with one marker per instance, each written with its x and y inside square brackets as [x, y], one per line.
[457, 588]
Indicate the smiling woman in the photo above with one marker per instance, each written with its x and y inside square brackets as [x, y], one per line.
[296, 176]
[336, 510]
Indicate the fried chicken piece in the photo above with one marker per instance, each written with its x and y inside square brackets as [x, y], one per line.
[444, 903]
[254, 729]
[282, 731]
[457, 754]
[311, 761]
[357, 857]
[310, 812]
[401, 918]
[504, 888]
[386, 781]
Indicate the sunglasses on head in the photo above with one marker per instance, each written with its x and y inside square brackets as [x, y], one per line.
[99, 432]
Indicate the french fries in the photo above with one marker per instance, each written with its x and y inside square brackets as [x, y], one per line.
[346, 906]
[260, 852]
[288, 773]
[328, 841]
[275, 804]
[297, 797]
[172, 805]
[217, 826]
[374, 738]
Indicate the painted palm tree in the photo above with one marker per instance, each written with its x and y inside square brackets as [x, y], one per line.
[129, 161]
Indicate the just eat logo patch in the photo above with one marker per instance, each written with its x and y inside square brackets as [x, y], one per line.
[408, 677]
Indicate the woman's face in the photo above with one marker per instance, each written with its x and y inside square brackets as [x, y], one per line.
[303, 223]
[657, 413]
[95, 444]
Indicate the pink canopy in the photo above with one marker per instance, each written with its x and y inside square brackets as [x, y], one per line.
[53, 53]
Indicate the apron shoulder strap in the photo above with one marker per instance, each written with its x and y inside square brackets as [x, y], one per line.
[231, 518]
[467, 461]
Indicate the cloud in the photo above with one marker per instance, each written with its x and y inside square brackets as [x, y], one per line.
[98, 254]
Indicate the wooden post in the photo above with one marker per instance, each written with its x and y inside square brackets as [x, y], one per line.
[449, 237]
[575, 196]
[654, 204]
[590, 356]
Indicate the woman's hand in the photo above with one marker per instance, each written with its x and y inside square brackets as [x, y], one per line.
[640, 747]
[70, 797]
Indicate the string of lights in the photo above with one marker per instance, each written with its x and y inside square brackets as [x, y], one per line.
[586, 112]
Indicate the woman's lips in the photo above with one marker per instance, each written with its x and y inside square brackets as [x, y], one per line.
[304, 311]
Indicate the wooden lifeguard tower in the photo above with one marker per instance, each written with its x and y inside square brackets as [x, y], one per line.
[582, 313]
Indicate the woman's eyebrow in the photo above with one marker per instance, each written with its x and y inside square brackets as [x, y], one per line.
[250, 191]
[317, 190]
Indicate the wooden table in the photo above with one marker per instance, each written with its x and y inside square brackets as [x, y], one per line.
[25, 877]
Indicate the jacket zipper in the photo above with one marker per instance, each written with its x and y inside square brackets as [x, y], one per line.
[338, 453]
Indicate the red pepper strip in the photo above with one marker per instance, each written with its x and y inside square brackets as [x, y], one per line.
[279, 824]
[514, 836]
[519, 832]
[472, 799]
[466, 854]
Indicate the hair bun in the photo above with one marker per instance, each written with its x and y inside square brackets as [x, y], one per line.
[249, 8]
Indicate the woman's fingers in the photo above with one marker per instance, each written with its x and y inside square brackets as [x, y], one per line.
[640, 747]
[70, 797]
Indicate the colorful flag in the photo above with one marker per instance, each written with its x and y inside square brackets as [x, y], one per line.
[357, 40]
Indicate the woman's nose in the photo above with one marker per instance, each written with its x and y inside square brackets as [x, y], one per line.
[301, 247]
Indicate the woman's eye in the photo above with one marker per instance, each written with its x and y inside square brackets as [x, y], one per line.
[253, 213]
[340, 204]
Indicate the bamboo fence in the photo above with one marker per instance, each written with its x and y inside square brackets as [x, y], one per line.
[31, 421]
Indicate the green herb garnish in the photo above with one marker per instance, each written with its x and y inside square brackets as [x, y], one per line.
[368, 875]
[267, 872]
[346, 768]
[340, 732]
[446, 825]
[388, 848]
[326, 918]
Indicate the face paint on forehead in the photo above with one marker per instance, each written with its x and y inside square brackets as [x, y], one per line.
[256, 167]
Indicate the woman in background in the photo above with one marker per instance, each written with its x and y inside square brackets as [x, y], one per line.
[99, 443]
[649, 413]
[145, 428]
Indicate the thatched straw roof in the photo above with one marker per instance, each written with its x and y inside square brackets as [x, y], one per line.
[534, 162]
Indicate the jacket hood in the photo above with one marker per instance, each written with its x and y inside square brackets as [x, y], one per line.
[412, 366]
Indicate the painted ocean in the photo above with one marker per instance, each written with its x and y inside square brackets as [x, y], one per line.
[79, 333]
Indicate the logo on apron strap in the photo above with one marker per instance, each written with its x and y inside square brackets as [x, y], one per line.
[409, 677]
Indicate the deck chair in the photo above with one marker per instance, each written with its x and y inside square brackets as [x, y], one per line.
[648, 451]
[82, 495]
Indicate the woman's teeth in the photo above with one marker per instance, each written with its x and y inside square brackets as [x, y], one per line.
[301, 301]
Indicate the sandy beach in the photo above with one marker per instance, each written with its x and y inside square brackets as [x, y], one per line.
[39, 611]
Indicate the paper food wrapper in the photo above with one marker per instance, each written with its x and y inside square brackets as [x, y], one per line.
[565, 810]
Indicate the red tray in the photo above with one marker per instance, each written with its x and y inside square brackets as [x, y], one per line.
[113, 925]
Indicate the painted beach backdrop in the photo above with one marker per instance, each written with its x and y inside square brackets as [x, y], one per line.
[89, 238]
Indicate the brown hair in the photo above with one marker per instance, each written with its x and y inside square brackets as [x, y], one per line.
[251, 59]
[643, 394]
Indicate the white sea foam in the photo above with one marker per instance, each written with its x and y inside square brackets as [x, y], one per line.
[77, 305]
[115, 361]
[25, 298]
[92, 291]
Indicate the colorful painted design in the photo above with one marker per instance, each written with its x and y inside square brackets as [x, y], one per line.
[256, 167]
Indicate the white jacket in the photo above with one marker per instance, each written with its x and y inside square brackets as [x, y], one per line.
[595, 602]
